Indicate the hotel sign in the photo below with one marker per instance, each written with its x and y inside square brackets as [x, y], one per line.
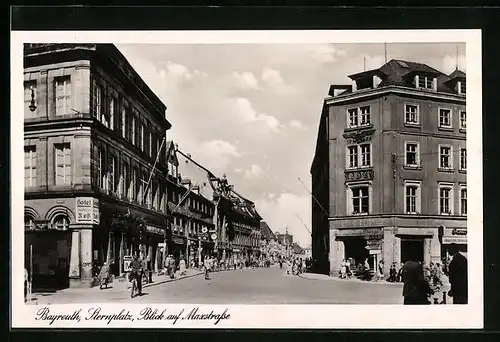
[87, 210]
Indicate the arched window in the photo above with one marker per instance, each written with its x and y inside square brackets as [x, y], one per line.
[28, 223]
[61, 222]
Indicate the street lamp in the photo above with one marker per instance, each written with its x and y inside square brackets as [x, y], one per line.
[32, 106]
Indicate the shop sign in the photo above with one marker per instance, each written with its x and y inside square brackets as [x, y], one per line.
[154, 230]
[455, 235]
[178, 240]
[375, 251]
[87, 210]
[127, 260]
[459, 240]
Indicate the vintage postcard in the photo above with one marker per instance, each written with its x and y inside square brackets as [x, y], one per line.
[247, 179]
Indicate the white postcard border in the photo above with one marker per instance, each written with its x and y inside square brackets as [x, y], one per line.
[264, 316]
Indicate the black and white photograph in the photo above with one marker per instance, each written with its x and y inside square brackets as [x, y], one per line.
[299, 175]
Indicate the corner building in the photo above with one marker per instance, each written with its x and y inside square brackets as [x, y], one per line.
[89, 146]
[390, 169]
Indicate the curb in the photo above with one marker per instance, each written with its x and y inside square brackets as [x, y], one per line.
[352, 280]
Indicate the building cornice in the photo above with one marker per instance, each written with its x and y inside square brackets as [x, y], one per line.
[362, 94]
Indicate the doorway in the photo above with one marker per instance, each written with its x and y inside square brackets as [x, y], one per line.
[355, 248]
[412, 249]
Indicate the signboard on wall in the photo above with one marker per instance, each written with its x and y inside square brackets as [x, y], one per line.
[455, 235]
[87, 210]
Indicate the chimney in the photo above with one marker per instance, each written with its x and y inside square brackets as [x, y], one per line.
[354, 85]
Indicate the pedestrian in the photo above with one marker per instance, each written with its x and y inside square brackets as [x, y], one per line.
[206, 264]
[392, 273]
[137, 272]
[415, 289]
[400, 274]
[348, 268]
[380, 274]
[166, 264]
[342, 269]
[26, 284]
[172, 266]
[458, 276]
[182, 267]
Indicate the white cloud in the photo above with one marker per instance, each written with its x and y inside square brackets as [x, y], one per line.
[255, 171]
[296, 124]
[449, 63]
[178, 70]
[244, 109]
[246, 80]
[238, 170]
[216, 154]
[327, 53]
[272, 78]
[283, 210]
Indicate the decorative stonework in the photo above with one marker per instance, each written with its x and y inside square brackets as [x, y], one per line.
[358, 136]
[358, 175]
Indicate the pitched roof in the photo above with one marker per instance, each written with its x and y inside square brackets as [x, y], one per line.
[266, 232]
[399, 72]
[457, 74]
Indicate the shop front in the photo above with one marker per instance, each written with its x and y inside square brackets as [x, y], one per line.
[455, 236]
[179, 247]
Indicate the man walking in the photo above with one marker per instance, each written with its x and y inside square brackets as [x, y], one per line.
[416, 289]
[136, 270]
[458, 276]
[207, 264]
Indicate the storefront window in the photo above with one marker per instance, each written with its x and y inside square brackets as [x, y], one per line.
[61, 222]
[28, 223]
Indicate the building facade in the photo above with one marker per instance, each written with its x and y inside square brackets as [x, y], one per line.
[93, 130]
[190, 215]
[389, 173]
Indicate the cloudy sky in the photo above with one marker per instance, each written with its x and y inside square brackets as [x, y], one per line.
[251, 111]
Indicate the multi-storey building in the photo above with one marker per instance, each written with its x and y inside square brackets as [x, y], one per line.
[389, 172]
[190, 220]
[93, 130]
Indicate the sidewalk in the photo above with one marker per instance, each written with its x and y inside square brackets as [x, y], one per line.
[317, 276]
[117, 288]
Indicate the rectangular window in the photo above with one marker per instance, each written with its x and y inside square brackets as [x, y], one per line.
[426, 82]
[142, 137]
[445, 199]
[411, 114]
[463, 201]
[101, 168]
[112, 113]
[463, 88]
[124, 122]
[150, 143]
[365, 155]
[133, 185]
[463, 119]
[412, 197]
[28, 87]
[412, 154]
[125, 181]
[360, 200]
[353, 117]
[63, 95]
[133, 130]
[463, 159]
[445, 118]
[29, 166]
[445, 157]
[353, 156]
[113, 174]
[62, 163]
[98, 101]
[365, 115]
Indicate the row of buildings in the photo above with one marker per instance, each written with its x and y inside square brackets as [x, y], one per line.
[389, 173]
[102, 180]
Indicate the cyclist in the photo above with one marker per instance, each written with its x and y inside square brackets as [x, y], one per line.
[136, 272]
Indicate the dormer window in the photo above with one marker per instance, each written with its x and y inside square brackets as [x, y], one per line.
[425, 82]
[461, 88]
